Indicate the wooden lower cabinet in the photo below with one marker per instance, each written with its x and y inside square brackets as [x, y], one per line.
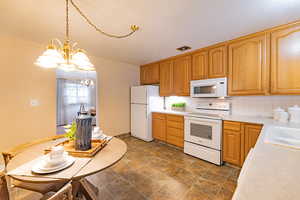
[168, 128]
[232, 147]
[173, 138]
[238, 139]
[251, 133]
[159, 131]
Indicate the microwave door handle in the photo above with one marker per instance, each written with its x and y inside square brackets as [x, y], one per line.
[206, 85]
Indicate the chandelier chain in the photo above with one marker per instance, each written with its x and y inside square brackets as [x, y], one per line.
[67, 20]
[133, 28]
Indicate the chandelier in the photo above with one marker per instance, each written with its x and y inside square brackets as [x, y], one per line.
[87, 82]
[65, 55]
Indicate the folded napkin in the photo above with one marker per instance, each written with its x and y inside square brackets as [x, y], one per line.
[68, 173]
[102, 137]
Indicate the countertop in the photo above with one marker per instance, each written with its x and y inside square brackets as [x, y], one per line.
[171, 112]
[273, 173]
[239, 118]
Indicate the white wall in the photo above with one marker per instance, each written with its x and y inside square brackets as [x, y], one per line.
[114, 80]
[245, 105]
[21, 81]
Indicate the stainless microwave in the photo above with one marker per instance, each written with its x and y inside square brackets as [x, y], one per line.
[209, 88]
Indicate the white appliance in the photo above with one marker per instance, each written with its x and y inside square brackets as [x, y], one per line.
[209, 88]
[203, 131]
[144, 100]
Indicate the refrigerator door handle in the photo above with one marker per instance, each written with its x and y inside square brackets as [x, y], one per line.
[146, 114]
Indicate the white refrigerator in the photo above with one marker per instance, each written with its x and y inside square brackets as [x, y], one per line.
[144, 100]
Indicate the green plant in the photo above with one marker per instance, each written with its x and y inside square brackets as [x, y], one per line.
[71, 133]
[178, 105]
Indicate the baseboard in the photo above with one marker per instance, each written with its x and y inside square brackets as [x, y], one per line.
[123, 135]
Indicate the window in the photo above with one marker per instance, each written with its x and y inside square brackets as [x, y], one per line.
[75, 93]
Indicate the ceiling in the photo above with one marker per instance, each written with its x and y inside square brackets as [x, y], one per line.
[165, 24]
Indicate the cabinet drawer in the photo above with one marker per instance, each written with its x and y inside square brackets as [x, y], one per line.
[176, 118]
[177, 141]
[158, 116]
[174, 124]
[174, 132]
[234, 126]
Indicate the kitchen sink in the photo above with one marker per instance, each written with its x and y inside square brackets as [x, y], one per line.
[289, 137]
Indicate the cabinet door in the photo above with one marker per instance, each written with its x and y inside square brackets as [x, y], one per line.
[200, 65]
[143, 75]
[149, 74]
[166, 78]
[154, 73]
[232, 146]
[181, 76]
[285, 61]
[249, 66]
[159, 129]
[217, 62]
[251, 132]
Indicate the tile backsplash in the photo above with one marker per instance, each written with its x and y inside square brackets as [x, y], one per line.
[244, 105]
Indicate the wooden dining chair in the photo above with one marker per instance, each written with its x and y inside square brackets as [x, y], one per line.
[4, 194]
[64, 193]
[42, 188]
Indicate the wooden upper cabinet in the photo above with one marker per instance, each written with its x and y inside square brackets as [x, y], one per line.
[249, 66]
[149, 74]
[200, 65]
[143, 72]
[166, 78]
[285, 60]
[154, 73]
[182, 76]
[217, 62]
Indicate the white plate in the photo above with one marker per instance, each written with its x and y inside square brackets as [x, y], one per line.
[45, 165]
[39, 169]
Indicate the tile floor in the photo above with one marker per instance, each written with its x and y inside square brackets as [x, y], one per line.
[155, 171]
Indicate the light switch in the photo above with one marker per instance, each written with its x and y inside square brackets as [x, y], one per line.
[34, 102]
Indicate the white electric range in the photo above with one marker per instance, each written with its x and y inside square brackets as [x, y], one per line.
[203, 131]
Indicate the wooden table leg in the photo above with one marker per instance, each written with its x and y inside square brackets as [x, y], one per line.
[76, 188]
[89, 190]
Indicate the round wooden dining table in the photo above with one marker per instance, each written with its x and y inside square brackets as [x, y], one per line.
[109, 155]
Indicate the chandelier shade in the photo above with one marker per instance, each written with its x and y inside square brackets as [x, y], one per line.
[50, 59]
[64, 55]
